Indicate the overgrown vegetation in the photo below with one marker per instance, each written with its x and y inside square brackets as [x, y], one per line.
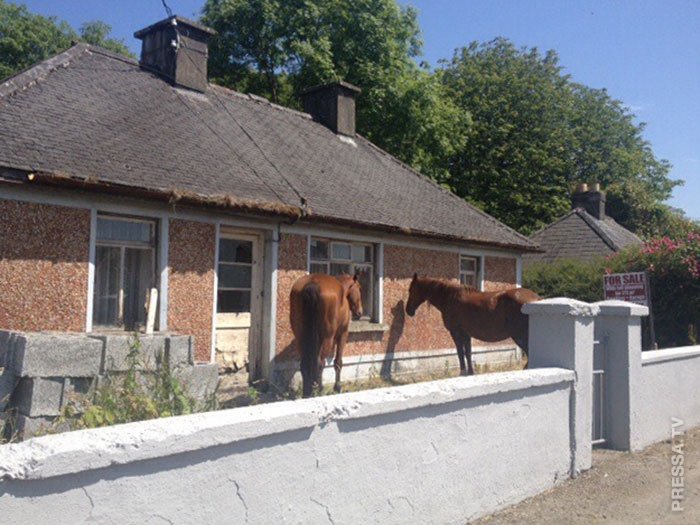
[138, 394]
[674, 271]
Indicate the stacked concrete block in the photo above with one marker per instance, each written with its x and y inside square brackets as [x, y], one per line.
[46, 371]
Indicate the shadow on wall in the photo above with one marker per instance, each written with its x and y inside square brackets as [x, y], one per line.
[284, 373]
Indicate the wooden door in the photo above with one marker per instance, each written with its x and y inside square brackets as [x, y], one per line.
[238, 301]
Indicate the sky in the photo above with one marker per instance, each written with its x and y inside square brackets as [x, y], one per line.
[645, 53]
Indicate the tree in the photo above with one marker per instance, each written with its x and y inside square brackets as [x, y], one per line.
[276, 48]
[97, 34]
[536, 134]
[27, 38]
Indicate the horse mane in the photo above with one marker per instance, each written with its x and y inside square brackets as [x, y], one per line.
[447, 286]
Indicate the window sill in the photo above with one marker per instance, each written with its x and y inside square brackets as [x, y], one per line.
[367, 326]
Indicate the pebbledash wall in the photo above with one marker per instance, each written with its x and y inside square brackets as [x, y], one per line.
[46, 275]
[441, 452]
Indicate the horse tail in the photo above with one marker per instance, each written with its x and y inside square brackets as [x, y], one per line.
[311, 336]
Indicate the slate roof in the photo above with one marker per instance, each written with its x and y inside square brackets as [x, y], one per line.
[579, 235]
[97, 117]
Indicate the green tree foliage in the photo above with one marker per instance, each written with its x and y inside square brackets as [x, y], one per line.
[277, 48]
[26, 38]
[535, 134]
[97, 34]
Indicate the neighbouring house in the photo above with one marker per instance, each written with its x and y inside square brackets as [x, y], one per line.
[584, 233]
[119, 176]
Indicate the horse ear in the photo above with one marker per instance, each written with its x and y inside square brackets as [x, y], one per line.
[355, 277]
[415, 276]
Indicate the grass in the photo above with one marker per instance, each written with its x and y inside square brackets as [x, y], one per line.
[263, 392]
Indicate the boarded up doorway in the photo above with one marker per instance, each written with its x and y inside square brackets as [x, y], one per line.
[239, 303]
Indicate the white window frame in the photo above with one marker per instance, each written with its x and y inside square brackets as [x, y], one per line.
[353, 267]
[476, 274]
[122, 246]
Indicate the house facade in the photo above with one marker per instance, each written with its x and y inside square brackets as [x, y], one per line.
[118, 178]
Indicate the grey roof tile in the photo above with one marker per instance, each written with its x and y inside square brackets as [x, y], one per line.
[88, 113]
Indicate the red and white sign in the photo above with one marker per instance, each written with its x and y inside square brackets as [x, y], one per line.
[632, 287]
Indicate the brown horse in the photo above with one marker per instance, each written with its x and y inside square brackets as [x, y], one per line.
[320, 310]
[467, 312]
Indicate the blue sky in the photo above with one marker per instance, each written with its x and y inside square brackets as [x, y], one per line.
[646, 53]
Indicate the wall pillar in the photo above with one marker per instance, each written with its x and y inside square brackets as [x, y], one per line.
[561, 335]
[618, 330]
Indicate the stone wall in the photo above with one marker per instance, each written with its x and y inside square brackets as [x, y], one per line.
[47, 371]
[192, 249]
[44, 254]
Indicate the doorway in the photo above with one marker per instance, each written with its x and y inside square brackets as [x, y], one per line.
[239, 303]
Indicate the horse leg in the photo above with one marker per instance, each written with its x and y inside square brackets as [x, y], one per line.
[338, 363]
[457, 337]
[326, 349]
[468, 350]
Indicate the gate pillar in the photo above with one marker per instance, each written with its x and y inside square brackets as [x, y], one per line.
[561, 335]
[618, 329]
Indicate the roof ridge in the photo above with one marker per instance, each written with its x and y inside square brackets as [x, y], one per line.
[445, 190]
[39, 71]
[258, 99]
[591, 221]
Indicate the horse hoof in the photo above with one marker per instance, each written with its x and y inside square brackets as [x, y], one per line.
[463, 373]
[337, 388]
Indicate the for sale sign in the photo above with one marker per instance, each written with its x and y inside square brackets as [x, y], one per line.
[632, 287]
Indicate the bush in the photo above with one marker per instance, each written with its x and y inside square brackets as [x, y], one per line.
[673, 266]
[136, 395]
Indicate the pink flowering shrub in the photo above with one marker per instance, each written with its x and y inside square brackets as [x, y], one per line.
[673, 266]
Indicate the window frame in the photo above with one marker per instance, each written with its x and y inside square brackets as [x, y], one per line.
[476, 273]
[251, 265]
[353, 265]
[152, 246]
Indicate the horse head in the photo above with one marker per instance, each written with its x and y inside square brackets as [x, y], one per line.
[353, 293]
[415, 296]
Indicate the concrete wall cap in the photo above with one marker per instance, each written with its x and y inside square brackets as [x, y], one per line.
[91, 449]
[561, 306]
[615, 307]
[670, 354]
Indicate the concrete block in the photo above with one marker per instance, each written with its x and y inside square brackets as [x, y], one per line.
[28, 427]
[118, 347]
[8, 381]
[4, 345]
[53, 355]
[179, 350]
[38, 396]
[200, 381]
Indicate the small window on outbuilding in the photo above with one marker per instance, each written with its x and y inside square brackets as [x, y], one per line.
[124, 271]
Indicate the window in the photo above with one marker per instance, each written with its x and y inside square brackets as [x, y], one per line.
[469, 271]
[235, 276]
[335, 258]
[124, 271]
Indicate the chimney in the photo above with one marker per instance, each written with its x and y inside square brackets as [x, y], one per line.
[333, 105]
[177, 49]
[593, 200]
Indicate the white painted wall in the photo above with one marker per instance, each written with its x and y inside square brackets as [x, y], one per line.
[439, 452]
[669, 387]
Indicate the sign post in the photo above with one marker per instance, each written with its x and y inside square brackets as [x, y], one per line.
[634, 288]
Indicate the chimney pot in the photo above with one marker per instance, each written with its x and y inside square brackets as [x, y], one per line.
[333, 105]
[177, 48]
[593, 201]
